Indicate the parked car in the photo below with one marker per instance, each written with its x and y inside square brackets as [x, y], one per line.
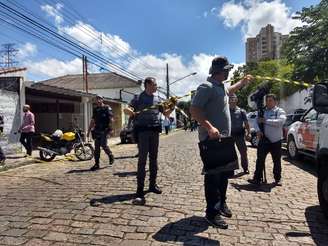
[127, 135]
[309, 136]
[251, 117]
[290, 119]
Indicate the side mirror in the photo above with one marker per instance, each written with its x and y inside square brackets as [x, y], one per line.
[320, 97]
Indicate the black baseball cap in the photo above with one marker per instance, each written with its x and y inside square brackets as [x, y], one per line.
[220, 64]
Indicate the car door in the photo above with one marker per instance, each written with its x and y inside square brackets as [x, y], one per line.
[308, 130]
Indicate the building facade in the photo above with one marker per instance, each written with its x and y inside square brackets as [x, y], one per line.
[265, 46]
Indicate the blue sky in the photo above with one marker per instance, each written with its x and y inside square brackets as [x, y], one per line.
[187, 34]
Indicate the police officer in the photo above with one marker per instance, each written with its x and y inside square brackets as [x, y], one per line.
[270, 139]
[239, 124]
[101, 126]
[147, 123]
[210, 109]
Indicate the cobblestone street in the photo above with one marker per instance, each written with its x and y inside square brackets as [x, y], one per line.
[63, 203]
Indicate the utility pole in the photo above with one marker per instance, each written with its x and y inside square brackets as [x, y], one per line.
[8, 53]
[85, 73]
[167, 82]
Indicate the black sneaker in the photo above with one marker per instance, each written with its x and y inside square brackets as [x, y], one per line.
[246, 171]
[278, 182]
[155, 189]
[94, 167]
[139, 201]
[225, 211]
[217, 221]
[254, 181]
[111, 159]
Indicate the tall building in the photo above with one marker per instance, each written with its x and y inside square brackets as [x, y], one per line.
[265, 46]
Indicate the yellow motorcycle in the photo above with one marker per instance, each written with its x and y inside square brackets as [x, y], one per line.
[60, 143]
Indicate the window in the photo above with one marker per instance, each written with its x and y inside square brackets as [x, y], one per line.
[311, 115]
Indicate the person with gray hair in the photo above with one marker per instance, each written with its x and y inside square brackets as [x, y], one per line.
[27, 129]
[211, 110]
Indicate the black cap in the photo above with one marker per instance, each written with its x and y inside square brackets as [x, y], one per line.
[220, 64]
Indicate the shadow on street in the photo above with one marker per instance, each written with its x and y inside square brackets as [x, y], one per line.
[95, 202]
[125, 174]
[318, 226]
[251, 187]
[185, 231]
[305, 163]
[84, 170]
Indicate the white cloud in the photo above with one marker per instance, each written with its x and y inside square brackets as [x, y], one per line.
[54, 11]
[254, 14]
[26, 51]
[199, 63]
[53, 68]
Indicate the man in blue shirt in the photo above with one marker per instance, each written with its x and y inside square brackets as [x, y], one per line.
[146, 109]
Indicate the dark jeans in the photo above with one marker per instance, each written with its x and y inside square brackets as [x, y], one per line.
[2, 155]
[147, 143]
[242, 148]
[263, 149]
[101, 141]
[26, 141]
[167, 129]
[215, 191]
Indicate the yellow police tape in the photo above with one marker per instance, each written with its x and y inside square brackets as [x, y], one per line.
[172, 101]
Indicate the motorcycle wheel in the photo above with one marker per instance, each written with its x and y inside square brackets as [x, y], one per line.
[45, 156]
[84, 154]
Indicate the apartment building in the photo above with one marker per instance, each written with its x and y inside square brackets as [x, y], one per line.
[265, 46]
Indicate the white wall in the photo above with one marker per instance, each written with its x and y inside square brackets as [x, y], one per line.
[295, 101]
[10, 108]
[115, 93]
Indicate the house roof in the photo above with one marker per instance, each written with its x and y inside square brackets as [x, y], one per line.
[95, 81]
[11, 70]
[40, 87]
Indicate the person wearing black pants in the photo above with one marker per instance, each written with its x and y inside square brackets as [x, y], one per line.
[269, 140]
[145, 110]
[26, 141]
[101, 126]
[27, 129]
[262, 150]
[210, 109]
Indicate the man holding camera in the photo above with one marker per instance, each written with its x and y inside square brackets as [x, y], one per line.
[269, 140]
[239, 127]
[211, 109]
[146, 109]
[100, 127]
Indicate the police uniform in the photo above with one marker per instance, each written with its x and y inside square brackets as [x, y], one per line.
[102, 116]
[238, 119]
[147, 125]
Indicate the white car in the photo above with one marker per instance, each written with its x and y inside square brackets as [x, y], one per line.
[303, 135]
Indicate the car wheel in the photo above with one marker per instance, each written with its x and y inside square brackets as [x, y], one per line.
[292, 150]
[254, 141]
[323, 187]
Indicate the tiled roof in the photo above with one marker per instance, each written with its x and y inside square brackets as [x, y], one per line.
[95, 81]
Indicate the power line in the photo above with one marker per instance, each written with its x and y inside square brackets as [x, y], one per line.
[29, 21]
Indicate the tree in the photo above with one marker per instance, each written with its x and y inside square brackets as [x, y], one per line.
[271, 68]
[307, 46]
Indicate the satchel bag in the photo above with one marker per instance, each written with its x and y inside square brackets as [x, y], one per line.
[218, 153]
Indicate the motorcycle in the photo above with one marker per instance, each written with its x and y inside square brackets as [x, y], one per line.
[60, 143]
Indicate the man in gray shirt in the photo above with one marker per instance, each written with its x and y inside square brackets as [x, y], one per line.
[270, 140]
[210, 109]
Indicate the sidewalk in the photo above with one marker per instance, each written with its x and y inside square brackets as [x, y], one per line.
[19, 159]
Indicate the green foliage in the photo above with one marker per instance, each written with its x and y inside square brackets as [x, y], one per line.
[272, 68]
[307, 46]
